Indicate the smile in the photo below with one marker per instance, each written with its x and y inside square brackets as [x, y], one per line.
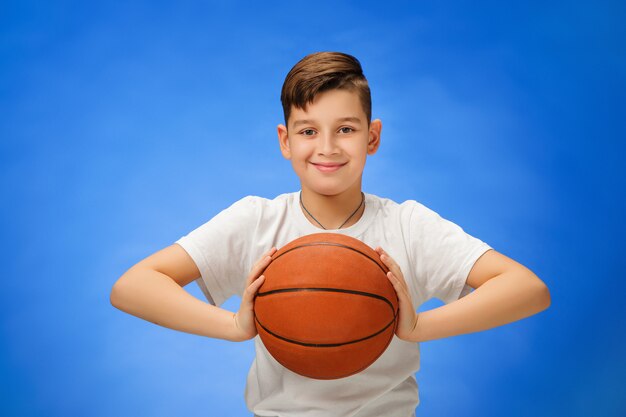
[328, 168]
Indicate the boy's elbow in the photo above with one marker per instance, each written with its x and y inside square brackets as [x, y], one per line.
[547, 297]
[544, 300]
[114, 296]
[117, 295]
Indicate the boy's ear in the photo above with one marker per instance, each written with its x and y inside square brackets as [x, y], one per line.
[376, 127]
[283, 141]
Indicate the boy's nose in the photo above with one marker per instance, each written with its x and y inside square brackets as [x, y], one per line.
[327, 144]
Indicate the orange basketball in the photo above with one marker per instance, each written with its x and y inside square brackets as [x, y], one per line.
[326, 309]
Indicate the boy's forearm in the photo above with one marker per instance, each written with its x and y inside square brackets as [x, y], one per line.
[503, 299]
[157, 298]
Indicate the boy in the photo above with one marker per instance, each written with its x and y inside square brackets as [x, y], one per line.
[327, 136]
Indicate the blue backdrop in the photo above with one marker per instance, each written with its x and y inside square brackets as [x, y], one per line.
[125, 125]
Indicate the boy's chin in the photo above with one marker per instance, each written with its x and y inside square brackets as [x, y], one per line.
[326, 191]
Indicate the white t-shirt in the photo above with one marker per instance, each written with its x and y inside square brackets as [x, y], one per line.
[434, 254]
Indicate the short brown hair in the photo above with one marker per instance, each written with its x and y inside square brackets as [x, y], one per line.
[323, 71]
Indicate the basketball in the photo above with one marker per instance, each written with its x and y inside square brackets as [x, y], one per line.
[326, 309]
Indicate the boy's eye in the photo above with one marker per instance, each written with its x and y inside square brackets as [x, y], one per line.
[346, 130]
[308, 132]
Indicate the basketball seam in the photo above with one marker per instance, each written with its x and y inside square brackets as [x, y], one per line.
[332, 244]
[395, 315]
[325, 345]
[324, 289]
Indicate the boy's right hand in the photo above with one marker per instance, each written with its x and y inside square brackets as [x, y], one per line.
[244, 318]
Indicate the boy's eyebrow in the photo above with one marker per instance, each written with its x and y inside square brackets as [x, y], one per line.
[352, 119]
[311, 121]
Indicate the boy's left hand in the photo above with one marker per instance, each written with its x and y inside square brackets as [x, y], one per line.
[407, 322]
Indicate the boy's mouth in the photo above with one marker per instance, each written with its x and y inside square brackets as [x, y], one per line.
[327, 166]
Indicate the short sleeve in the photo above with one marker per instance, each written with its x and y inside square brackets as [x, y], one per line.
[221, 247]
[443, 255]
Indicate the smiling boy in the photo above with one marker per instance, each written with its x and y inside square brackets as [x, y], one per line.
[327, 136]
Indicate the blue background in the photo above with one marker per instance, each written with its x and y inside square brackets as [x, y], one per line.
[125, 125]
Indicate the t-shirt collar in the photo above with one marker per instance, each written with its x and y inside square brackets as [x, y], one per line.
[306, 228]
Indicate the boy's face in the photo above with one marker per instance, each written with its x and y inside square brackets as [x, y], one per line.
[328, 142]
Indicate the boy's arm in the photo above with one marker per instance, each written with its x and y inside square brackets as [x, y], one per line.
[505, 291]
[153, 290]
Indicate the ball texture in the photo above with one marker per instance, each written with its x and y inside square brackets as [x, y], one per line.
[326, 309]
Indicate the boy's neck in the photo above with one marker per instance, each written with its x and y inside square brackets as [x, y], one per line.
[332, 211]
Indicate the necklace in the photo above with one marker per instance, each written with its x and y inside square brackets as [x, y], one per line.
[353, 213]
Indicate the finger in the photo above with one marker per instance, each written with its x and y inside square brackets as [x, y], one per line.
[393, 267]
[271, 251]
[381, 254]
[251, 290]
[401, 290]
[380, 250]
[256, 284]
[265, 255]
[258, 269]
[391, 264]
[400, 283]
[385, 257]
